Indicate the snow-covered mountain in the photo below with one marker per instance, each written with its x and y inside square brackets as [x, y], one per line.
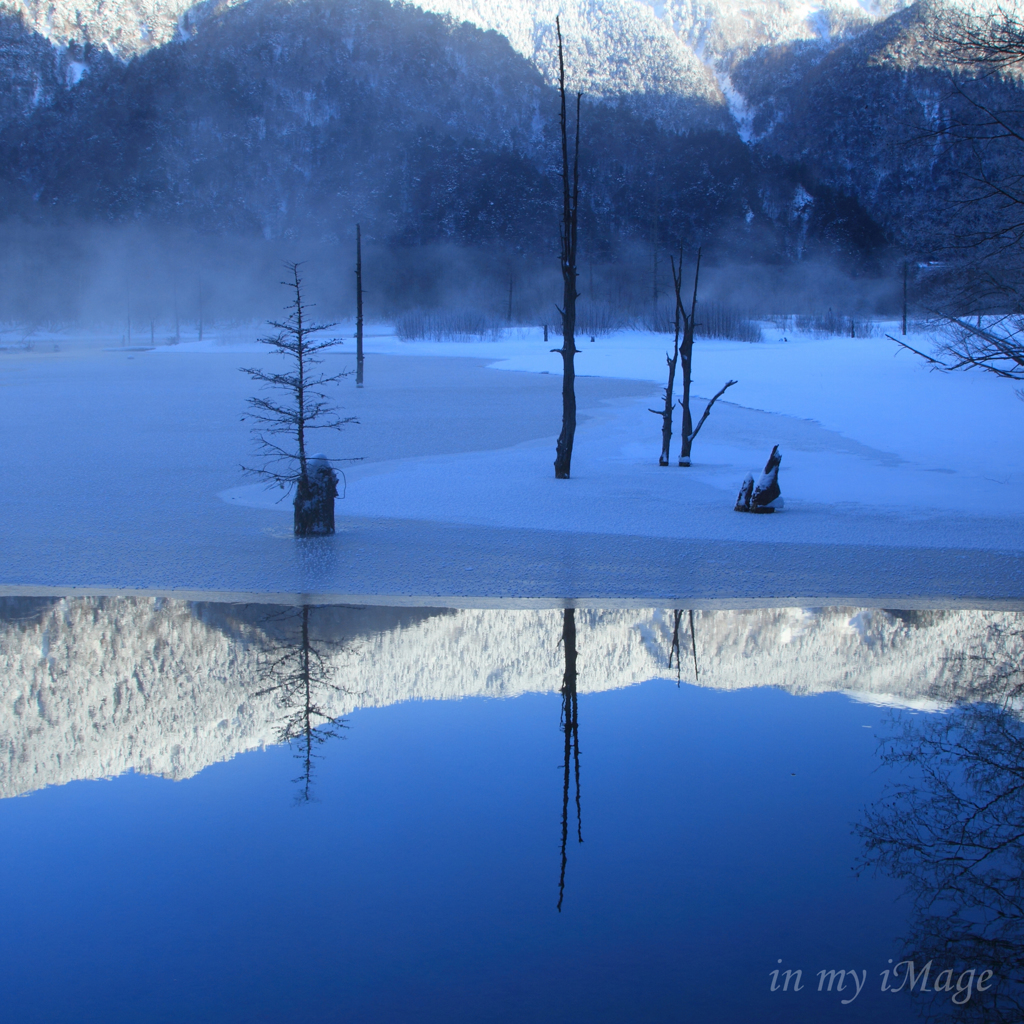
[94, 687]
[275, 116]
[721, 31]
[613, 47]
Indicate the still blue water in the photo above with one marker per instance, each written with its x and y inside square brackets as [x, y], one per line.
[421, 883]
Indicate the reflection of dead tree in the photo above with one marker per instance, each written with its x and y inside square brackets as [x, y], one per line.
[570, 730]
[298, 675]
[677, 617]
[954, 832]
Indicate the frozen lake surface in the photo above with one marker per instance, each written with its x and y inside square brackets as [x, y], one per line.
[170, 858]
[121, 471]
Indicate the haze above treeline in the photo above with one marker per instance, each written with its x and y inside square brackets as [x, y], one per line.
[266, 130]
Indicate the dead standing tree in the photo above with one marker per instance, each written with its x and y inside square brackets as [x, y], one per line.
[359, 308]
[282, 423]
[570, 211]
[673, 361]
[689, 432]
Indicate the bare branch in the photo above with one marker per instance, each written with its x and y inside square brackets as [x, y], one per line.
[910, 348]
[707, 412]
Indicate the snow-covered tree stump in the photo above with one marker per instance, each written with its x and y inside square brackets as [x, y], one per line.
[746, 490]
[766, 496]
[314, 498]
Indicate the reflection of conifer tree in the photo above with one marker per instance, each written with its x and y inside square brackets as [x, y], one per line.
[953, 830]
[299, 679]
[570, 730]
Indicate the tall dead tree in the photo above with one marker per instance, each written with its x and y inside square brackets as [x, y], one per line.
[905, 273]
[295, 405]
[359, 308]
[672, 360]
[570, 211]
[689, 431]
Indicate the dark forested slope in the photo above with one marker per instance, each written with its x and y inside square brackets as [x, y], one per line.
[295, 119]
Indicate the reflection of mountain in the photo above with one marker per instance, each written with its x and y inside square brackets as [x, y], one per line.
[92, 687]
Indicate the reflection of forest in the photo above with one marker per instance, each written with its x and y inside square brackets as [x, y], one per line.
[91, 687]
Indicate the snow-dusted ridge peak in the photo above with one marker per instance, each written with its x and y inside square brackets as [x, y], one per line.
[91, 687]
[721, 31]
[612, 47]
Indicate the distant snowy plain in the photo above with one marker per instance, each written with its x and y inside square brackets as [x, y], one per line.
[122, 471]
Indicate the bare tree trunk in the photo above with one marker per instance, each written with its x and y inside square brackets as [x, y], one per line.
[686, 361]
[904, 298]
[666, 412]
[359, 308]
[570, 210]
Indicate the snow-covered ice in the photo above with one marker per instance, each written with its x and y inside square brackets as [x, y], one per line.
[123, 472]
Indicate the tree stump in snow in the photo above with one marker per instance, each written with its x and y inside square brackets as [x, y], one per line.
[314, 498]
[767, 492]
[743, 498]
[766, 496]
